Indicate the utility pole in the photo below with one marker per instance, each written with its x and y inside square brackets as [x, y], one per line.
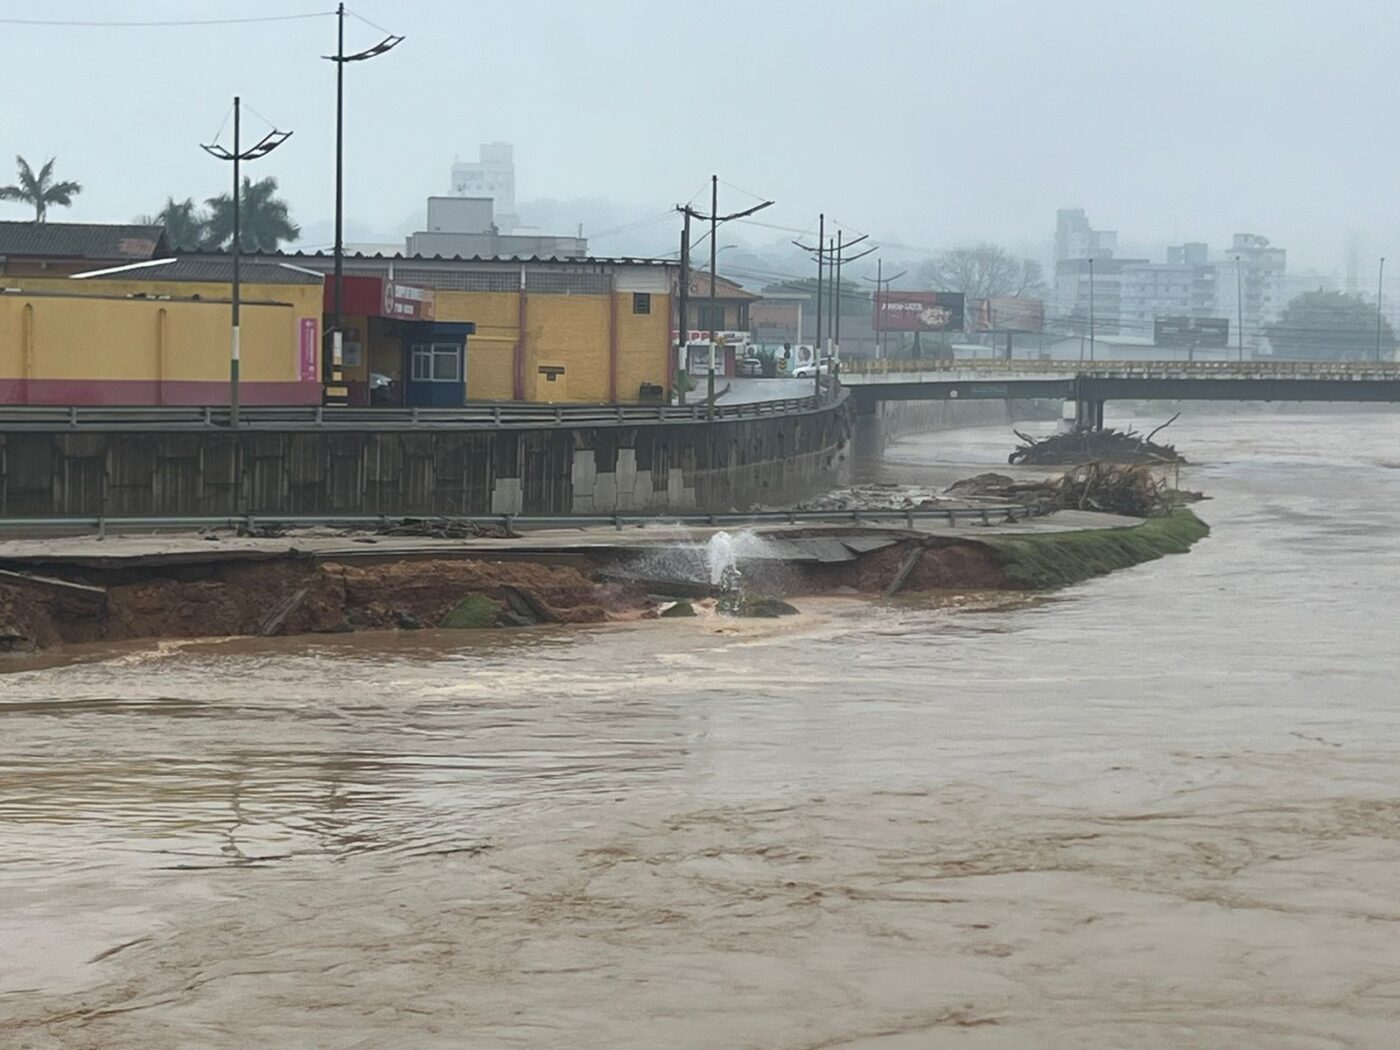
[340, 58]
[1091, 308]
[817, 346]
[262, 148]
[836, 249]
[714, 279]
[1239, 303]
[839, 260]
[683, 347]
[714, 219]
[1380, 285]
[880, 281]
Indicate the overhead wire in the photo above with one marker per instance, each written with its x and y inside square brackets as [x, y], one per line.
[159, 23]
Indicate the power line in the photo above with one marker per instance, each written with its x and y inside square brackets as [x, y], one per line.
[60, 23]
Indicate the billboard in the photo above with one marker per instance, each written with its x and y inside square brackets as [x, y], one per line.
[1203, 332]
[1009, 313]
[918, 312]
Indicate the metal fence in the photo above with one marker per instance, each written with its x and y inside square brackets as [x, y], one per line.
[504, 415]
[985, 515]
[1115, 369]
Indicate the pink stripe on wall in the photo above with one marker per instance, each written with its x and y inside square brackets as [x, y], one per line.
[64, 392]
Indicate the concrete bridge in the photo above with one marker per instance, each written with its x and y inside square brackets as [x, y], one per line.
[1088, 384]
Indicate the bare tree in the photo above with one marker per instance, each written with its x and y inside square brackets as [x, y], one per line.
[983, 272]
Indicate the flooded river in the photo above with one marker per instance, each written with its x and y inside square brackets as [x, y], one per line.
[1160, 809]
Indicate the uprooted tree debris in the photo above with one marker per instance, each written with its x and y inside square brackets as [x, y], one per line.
[1131, 489]
[1080, 446]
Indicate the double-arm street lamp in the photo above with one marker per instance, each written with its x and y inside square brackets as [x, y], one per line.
[389, 42]
[237, 155]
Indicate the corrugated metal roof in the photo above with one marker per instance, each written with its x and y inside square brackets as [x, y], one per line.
[317, 259]
[217, 269]
[100, 242]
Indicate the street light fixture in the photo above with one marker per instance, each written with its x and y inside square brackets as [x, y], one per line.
[237, 155]
[390, 42]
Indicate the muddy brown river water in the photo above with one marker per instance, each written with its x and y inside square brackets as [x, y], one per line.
[1160, 809]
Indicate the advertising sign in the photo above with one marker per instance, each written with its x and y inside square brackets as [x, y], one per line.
[1009, 314]
[1198, 332]
[409, 302]
[918, 312]
[309, 341]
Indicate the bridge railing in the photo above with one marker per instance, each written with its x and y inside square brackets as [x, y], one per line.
[478, 416]
[1112, 368]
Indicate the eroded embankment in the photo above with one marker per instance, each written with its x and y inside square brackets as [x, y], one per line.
[295, 595]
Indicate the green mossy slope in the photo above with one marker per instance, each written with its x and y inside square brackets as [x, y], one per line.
[1044, 562]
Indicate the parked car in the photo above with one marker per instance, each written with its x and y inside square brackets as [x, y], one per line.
[808, 370]
[750, 367]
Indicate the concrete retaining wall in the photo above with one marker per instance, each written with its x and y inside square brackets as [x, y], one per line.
[710, 466]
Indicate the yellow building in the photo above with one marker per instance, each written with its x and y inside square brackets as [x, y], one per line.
[158, 333]
[416, 331]
[580, 331]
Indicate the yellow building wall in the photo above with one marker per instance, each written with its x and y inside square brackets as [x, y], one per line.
[568, 331]
[90, 350]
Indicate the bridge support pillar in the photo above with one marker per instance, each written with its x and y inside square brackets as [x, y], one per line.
[1080, 414]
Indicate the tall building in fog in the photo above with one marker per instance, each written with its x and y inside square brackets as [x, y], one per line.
[493, 176]
[1076, 239]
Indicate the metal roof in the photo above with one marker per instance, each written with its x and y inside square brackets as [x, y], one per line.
[99, 242]
[216, 269]
[326, 258]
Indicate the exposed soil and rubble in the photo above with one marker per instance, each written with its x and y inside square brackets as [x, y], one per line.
[44, 606]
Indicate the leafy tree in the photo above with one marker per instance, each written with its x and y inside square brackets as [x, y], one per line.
[40, 190]
[186, 227]
[1330, 326]
[983, 272]
[265, 221]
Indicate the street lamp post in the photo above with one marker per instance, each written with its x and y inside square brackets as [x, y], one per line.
[237, 155]
[1239, 303]
[1380, 285]
[340, 58]
[1091, 308]
[714, 219]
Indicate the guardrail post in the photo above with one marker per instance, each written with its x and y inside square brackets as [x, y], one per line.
[952, 516]
[985, 519]
[617, 522]
[559, 416]
[73, 415]
[908, 518]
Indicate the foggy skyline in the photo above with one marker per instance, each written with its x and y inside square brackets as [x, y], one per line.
[937, 124]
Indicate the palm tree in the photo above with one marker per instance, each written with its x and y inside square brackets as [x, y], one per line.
[264, 223]
[40, 190]
[186, 227]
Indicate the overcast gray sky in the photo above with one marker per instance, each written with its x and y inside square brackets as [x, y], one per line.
[924, 121]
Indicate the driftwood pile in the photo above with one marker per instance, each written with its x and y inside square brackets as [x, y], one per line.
[1082, 446]
[1131, 489]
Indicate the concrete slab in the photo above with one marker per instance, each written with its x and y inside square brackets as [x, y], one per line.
[339, 545]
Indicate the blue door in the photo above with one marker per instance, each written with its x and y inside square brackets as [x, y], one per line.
[435, 365]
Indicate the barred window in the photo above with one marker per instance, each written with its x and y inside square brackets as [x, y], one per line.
[641, 302]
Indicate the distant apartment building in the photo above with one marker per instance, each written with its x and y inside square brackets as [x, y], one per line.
[1089, 293]
[467, 228]
[1183, 286]
[492, 176]
[1076, 239]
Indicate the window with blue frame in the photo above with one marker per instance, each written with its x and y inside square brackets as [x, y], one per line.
[437, 362]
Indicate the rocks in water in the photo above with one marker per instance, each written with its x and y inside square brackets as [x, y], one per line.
[736, 603]
[408, 622]
[680, 608]
[473, 611]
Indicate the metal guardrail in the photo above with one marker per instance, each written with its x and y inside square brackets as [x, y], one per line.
[951, 515]
[491, 416]
[1001, 367]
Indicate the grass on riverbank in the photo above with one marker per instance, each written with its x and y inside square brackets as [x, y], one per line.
[1053, 560]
